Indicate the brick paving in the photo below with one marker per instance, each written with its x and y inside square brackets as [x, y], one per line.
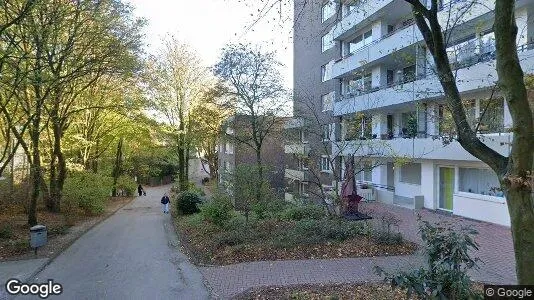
[496, 252]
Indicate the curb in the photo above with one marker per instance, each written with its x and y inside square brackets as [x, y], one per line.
[51, 259]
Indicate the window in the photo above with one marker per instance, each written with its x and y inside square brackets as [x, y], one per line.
[303, 164]
[408, 74]
[479, 181]
[491, 115]
[411, 173]
[326, 71]
[227, 167]
[359, 84]
[303, 136]
[361, 41]
[366, 173]
[409, 124]
[325, 164]
[303, 189]
[327, 101]
[328, 10]
[328, 131]
[229, 148]
[327, 42]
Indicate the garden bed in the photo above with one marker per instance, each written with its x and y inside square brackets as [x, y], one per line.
[281, 239]
[14, 229]
[330, 291]
[374, 291]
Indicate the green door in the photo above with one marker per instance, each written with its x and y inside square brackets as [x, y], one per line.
[446, 187]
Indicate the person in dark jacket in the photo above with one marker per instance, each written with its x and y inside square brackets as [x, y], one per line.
[140, 190]
[165, 203]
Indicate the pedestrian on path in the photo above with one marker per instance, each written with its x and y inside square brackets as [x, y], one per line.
[140, 190]
[165, 202]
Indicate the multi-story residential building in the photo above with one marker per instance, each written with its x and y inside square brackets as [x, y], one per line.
[382, 77]
[234, 150]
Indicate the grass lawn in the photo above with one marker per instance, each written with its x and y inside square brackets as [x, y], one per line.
[289, 234]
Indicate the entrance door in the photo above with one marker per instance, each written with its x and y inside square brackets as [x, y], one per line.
[446, 187]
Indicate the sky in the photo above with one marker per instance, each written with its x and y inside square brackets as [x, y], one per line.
[207, 25]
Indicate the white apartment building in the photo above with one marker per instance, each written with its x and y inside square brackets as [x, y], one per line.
[386, 84]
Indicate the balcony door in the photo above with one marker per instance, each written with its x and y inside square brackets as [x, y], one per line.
[446, 188]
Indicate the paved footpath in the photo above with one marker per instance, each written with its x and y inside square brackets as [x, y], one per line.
[131, 255]
[496, 252]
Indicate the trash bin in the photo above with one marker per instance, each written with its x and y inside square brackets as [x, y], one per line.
[38, 236]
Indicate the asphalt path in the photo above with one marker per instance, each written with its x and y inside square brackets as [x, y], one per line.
[134, 254]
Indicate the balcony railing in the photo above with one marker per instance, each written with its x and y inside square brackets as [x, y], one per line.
[464, 63]
[408, 24]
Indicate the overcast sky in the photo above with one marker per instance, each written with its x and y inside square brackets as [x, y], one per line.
[207, 25]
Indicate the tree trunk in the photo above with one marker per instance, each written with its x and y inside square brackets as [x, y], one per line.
[35, 173]
[259, 186]
[117, 168]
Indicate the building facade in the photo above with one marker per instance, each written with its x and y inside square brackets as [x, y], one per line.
[388, 105]
[234, 151]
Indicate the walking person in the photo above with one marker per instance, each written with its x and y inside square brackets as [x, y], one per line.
[140, 190]
[165, 203]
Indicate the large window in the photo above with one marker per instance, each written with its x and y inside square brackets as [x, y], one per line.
[360, 41]
[359, 84]
[366, 172]
[479, 181]
[327, 42]
[328, 10]
[327, 101]
[411, 173]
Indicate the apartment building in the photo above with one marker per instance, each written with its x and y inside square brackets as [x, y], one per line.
[233, 151]
[388, 105]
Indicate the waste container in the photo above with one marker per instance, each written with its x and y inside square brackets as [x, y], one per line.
[38, 236]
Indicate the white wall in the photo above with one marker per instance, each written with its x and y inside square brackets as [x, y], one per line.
[480, 207]
[428, 184]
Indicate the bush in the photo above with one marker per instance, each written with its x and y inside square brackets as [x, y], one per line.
[127, 184]
[385, 235]
[187, 203]
[448, 252]
[6, 231]
[87, 190]
[310, 231]
[268, 208]
[192, 187]
[301, 212]
[218, 211]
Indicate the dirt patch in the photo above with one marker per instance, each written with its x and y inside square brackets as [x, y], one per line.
[376, 291]
[62, 232]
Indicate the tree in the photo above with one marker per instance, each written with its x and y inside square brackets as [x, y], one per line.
[63, 48]
[515, 172]
[254, 82]
[177, 81]
[207, 117]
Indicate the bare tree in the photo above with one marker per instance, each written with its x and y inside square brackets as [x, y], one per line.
[254, 80]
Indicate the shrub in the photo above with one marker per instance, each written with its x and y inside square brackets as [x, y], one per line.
[6, 231]
[192, 187]
[87, 190]
[385, 235]
[301, 212]
[187, 203]
[268, 208]
[448, 252]
[127, 184]
[218, 211]
[310, 231]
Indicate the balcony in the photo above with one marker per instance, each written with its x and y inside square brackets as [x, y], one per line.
[294, 123]
[295, 175]
[388, 44]
[481, 73]
[404, 37]
[421, 148]
[299, 148]
[364, 13]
